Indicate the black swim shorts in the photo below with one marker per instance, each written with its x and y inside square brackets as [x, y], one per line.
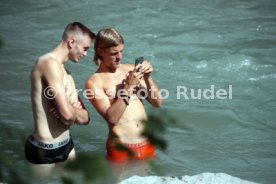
[38, 152]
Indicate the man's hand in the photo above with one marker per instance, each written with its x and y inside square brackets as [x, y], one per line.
[133, 78]
[145, 68]
[77, 104]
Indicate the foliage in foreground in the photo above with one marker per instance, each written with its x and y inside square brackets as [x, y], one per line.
[91, 166]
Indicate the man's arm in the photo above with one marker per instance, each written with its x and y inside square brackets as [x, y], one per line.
[53, 74]
[82, 113]
[77, 103]
[153, 92]
[112, 113]
[148, 83]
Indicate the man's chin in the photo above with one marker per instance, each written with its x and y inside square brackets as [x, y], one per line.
[117, 64]
[76, 60]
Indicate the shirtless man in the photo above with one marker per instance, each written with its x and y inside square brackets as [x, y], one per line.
[55, 103]
[114, 92]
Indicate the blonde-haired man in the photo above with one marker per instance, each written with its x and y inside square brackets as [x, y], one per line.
[115, 92]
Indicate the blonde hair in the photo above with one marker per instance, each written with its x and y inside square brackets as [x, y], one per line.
[106, 38]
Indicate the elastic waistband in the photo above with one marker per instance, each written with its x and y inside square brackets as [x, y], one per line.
[46, 146]
[136, 145]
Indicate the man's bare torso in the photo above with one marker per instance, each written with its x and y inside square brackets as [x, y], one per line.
[130, 126]
[48, 128]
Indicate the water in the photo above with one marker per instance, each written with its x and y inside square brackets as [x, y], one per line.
[194, 44]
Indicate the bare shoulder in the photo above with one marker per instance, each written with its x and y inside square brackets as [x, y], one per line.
[95, 80]
[48, 61]
[47, 57]
[43, 63]
[48, 67]
[127, 67]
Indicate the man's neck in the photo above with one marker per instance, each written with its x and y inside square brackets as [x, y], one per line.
[105, 69]
[61, 53]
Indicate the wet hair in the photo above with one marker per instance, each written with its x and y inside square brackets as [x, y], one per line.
[77, 29]
[106, 38]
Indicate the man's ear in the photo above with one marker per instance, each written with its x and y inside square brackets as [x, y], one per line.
[99, 51]
[71, 42]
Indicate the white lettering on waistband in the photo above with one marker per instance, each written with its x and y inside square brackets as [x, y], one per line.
[46, 146]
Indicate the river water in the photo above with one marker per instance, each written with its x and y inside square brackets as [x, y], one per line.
[195, 46]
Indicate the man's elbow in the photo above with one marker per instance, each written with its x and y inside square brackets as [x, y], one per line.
[158, 103]
[86, 121]
[71, 118]
[68, 117]
[111, 120]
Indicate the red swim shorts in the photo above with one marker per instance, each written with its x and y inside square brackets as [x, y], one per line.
[137, 151]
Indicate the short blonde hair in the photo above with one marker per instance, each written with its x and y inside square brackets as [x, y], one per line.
[106, 38]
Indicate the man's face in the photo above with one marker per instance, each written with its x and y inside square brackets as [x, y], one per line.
[112, 56]
[79, 48]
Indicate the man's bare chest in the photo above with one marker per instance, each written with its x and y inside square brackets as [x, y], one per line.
[113, 84]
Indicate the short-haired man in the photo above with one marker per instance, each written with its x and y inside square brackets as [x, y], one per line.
[55, 102]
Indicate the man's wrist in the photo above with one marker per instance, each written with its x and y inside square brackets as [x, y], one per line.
[147, 76]
[125, 98]
[128, 89]
[124, 93]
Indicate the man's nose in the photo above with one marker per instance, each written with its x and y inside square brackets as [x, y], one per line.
[119, 55]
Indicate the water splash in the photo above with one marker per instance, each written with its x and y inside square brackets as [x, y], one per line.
[206, 178]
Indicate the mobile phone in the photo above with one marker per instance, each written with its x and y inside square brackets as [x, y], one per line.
[139, 60]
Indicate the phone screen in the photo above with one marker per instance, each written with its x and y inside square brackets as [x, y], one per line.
[139, 60]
